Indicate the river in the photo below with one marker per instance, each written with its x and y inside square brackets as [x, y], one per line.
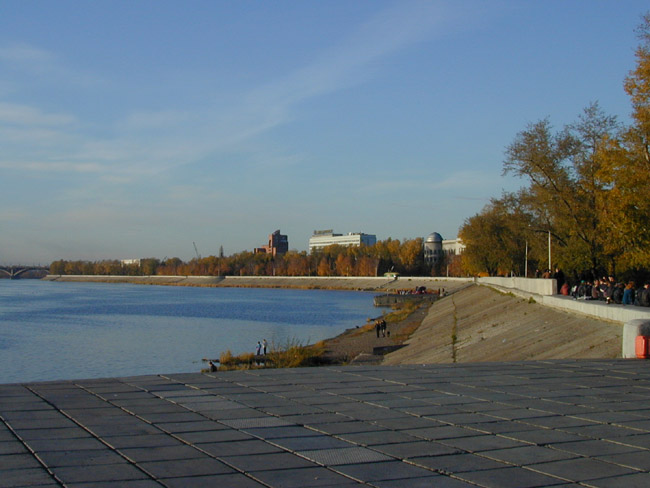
[53, 331]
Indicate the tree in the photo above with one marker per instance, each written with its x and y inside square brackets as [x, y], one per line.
[626, 168]
[495, 239]
[567, 194]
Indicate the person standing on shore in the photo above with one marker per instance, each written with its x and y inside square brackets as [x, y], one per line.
[377, 326]
[264, 347]
[258, 348]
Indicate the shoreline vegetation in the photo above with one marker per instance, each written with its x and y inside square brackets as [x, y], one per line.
[351, 346]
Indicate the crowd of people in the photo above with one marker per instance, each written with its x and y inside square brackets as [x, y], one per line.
[608, 290]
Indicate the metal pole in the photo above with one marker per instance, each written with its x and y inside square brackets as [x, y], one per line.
[526, 265]
[549, 250]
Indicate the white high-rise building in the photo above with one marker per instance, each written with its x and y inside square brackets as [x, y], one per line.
[323, 238]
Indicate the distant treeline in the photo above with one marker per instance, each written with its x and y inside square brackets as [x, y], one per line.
[391, 255]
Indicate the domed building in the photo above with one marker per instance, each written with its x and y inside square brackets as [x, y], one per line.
[433, 248]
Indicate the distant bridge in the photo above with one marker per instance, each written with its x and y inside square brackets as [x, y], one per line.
[16, 271]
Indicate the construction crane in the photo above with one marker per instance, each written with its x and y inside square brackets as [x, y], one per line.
[198, 256]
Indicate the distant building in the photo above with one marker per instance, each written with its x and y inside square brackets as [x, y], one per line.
[128, 262]
[278, 244]
[324, 238]
[435, 248]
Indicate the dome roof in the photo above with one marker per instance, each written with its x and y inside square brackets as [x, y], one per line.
[433, 237]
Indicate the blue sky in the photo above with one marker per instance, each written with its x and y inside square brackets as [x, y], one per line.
[132, 129]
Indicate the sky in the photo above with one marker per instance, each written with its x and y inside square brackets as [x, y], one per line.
[136, 129]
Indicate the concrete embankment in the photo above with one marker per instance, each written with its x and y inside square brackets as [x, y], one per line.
[481, 324]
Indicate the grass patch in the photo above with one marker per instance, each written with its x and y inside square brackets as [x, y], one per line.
[291, 354]
[401, 311]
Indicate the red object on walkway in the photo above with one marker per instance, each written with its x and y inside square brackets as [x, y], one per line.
[642, 347]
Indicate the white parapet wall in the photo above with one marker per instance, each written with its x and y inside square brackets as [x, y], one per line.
[537, 286]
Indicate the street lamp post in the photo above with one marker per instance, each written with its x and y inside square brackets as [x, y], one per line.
[526, 262]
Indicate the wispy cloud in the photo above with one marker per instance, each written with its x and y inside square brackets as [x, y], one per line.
[349, 61]
[26, 54]
[51, 166]
[15, 114]
[146, 142]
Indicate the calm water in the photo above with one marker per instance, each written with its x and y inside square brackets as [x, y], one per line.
[54, 331]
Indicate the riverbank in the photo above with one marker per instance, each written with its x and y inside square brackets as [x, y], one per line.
[379, 283]
[473, 323]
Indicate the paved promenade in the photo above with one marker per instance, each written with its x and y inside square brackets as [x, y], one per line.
[521, 424]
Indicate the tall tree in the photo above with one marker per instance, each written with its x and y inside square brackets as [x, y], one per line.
[566, 191]
[626, 167]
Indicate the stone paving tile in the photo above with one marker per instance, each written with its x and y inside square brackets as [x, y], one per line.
[408, 423]
[406, 450]
[594, 448]
[510, 477]
[581, 469]
[457, 463]
[604, 431]
[234, 448]
[557, 421]
[99, 473]
[482, 443]
[314, 442]
[88, 457]
[143, 454]
[10, 478]
[545, 436]
[437, 481]
[209, 436]
[223, 480]
[352, 426]
[304, 478]
[46, 433]
[12, 447]
[640, 480]
[185, 467]
[202, 425]
[345, 455]
[442, 432]
[266, 462]
[641, 440]
[146, 483]
[382, 471]
[141, 441]
[527, 455]
[637, 460]
[377, 437]
[65, 444]
[174, 417]
[280, 432]
[18, 461]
